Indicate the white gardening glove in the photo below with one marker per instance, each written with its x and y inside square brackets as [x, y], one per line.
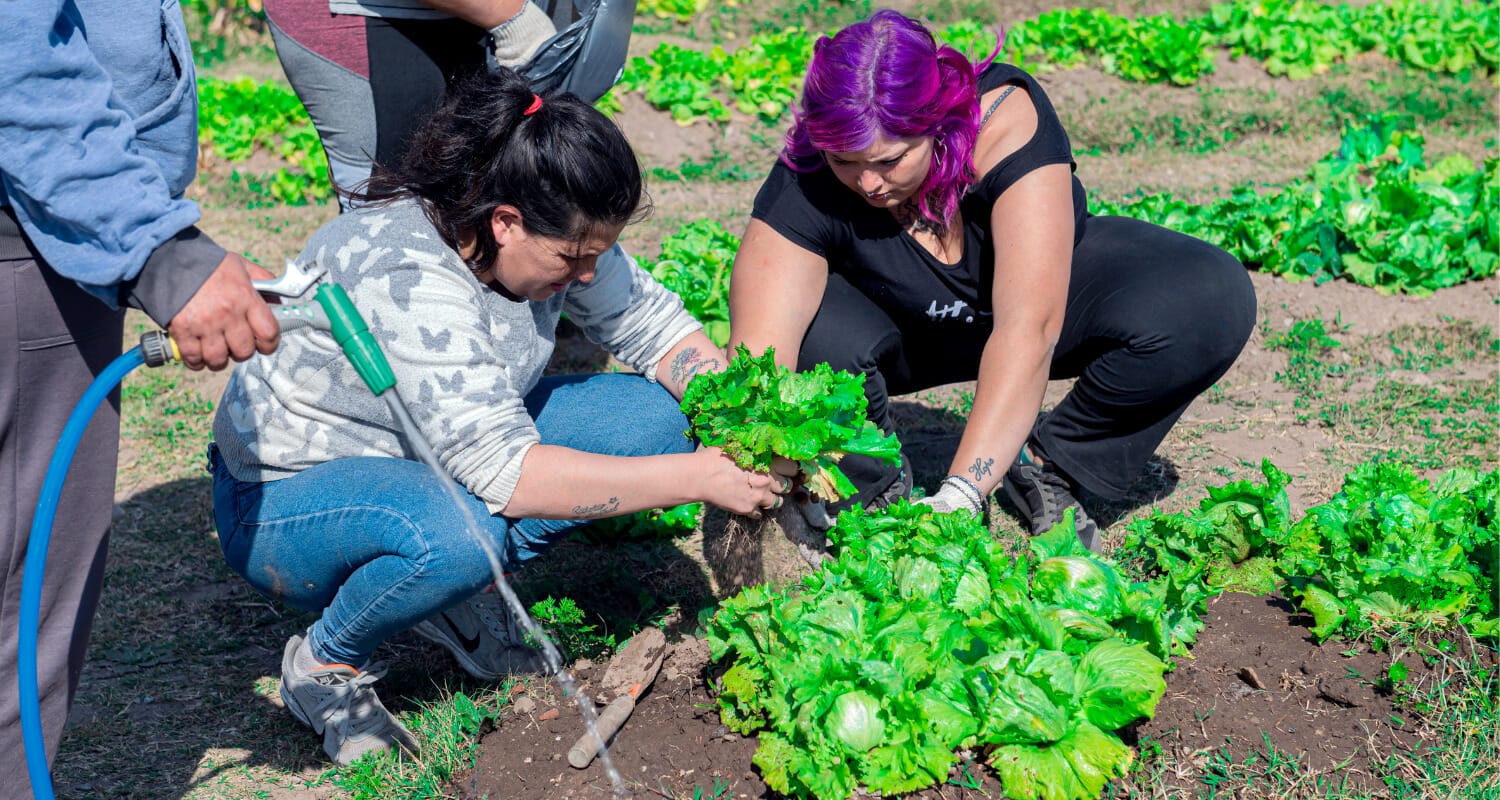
[517, 39]
[956, 493]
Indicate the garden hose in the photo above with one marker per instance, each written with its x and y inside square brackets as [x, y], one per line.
[333, 313]
[36, 561]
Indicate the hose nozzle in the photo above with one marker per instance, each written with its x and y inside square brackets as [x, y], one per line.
[355, 339]
[158, 348]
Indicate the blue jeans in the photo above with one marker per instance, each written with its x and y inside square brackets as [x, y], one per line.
[378, 545]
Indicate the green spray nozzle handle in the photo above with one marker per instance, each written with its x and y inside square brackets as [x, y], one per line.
[353, 336]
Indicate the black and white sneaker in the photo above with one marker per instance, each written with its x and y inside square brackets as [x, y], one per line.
[1042, 494]
[484, 636]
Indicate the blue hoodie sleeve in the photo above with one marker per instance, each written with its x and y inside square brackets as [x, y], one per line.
[89, 193]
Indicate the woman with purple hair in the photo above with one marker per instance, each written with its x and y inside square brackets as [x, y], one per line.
[923, 226]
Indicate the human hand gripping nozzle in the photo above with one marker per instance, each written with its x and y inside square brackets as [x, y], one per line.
[332, 312]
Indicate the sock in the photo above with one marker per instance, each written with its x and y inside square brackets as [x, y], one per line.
[1032, 455]
[304, 659]
[306, 662]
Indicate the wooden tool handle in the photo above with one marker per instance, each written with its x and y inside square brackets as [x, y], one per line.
[583, 751]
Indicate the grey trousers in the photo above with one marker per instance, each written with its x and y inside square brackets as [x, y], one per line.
[54, 339]
[340, 105]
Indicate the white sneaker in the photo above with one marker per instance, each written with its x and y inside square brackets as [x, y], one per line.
[339, 702]
[483, 635]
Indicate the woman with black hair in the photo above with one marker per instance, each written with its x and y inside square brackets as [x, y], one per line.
[503, 215]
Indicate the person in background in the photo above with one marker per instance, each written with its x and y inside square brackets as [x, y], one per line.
[98, 141]
[503, 215]
[923, 226]
[370, 71]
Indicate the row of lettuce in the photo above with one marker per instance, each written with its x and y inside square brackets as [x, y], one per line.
[923, 639]
[1373, 212]
[239, 117]
[1295, 38]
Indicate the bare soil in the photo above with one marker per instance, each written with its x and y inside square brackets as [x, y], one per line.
[1256, 682]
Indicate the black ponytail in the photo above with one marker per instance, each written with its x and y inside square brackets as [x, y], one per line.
[566, 166]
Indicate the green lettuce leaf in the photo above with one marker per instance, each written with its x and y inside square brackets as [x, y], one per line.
[1076, 767]
[1119, 683]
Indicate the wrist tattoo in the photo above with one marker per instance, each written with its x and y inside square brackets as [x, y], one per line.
[689, 363]
[605, 509]
[981, 468]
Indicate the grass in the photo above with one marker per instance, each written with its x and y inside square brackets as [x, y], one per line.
[165, 419]
[448, 731]
[1426, 393]
[1212, 117]
[720, 166]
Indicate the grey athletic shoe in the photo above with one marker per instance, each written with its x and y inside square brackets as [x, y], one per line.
[815, 512]
[339, 702]
[483, 635]
[1042, 495]
[898, 489]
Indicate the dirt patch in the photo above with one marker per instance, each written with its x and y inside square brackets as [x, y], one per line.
[1258, 683]
[671, 743]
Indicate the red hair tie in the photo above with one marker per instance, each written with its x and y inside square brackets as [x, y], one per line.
[536, 103]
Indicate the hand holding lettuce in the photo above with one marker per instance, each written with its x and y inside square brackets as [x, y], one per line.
[756, 410]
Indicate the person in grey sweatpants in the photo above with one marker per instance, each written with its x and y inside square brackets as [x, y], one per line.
[98, 140]
[369, 72]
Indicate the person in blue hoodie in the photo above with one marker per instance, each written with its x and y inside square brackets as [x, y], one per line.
[98, 141]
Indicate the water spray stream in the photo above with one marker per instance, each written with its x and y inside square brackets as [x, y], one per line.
[423, 452]
[336, 314]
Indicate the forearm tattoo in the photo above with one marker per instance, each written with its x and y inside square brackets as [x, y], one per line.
[981, 468]
[689, 363]
[597, 510]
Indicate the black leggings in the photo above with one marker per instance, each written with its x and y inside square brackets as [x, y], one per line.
[1154, 317]
[412, 65]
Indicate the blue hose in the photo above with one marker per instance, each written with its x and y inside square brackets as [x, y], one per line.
[36, 562]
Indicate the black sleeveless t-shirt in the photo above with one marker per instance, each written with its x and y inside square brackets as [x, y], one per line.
[875, 254]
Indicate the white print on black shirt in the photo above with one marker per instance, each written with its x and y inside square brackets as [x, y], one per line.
[950, 311]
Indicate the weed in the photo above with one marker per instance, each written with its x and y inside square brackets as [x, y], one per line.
[715, 168]
[564, 621]
[448, 731]
[169, 419]
[1307, 342]
[966, 779]
[1424, 348]
[719, 792]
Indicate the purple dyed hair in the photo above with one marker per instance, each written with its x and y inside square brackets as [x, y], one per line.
[888, 74]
